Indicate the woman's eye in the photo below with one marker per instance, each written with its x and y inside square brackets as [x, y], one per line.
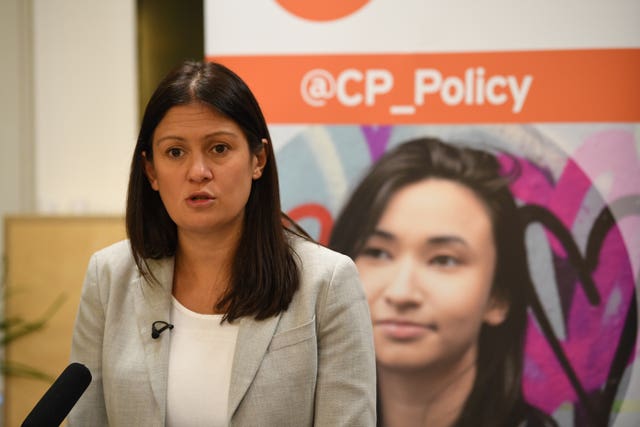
[376, 253]
[444, 261]
[219, 148]
[174, 152]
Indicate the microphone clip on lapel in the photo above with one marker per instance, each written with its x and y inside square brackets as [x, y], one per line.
[158, 327]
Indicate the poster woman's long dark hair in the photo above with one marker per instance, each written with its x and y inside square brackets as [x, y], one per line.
[496, 398]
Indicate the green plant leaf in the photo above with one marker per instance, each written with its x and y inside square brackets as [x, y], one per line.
[17, 327]
[24, 371]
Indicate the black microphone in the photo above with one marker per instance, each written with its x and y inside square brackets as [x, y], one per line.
[57, 402]
[155, 331]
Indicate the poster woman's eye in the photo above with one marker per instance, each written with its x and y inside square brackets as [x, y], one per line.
[375, 253]
[444, 261]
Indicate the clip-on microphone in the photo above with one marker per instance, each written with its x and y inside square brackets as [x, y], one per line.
[155, 331]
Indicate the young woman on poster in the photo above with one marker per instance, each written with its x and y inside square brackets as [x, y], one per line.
[215, 313]
[435, 233]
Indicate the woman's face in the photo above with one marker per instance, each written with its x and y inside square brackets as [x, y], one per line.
[202, 168]
[427, 270]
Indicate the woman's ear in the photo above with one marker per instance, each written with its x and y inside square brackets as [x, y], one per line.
[150, 171]
[496, 311]
[260, 160]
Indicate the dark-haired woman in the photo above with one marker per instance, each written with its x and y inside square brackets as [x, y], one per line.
[435, 234]
[213, 313]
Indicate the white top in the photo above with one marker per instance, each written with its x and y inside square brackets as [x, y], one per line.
[200, 360]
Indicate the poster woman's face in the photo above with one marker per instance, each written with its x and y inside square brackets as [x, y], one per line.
[428, 269]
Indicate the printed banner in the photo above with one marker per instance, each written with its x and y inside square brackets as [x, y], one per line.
[550, 92]
[498, 87]
[578, 188]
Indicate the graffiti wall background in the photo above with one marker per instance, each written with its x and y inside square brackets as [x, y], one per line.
[551, 86]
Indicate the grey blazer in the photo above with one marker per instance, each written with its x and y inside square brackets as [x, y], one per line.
[311, 365]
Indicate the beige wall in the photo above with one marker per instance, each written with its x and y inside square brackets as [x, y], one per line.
[46, 261]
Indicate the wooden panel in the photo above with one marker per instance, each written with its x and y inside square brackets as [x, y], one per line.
[46, 257]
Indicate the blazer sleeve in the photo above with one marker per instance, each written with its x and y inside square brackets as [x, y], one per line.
[86, 348]
[346, 384]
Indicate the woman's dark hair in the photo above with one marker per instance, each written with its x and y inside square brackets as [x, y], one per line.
[496, 398]
[264, 274]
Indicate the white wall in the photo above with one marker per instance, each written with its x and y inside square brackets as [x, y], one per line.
[85, 105]
[68, 106]
[16, 126]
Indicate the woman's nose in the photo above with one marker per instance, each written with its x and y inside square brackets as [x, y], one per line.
[200, 170]
[403, 289]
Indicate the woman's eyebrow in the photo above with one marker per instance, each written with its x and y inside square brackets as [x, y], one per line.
[221, 133]
[446, 239]
[207, 136]
[168, 137]
[382, 234]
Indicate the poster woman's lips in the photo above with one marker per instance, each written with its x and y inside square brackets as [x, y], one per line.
[404, 329]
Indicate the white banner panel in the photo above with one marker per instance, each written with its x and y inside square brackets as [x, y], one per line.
[247, 27]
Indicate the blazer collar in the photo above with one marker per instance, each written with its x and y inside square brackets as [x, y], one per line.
[254, 337]
[152, 303]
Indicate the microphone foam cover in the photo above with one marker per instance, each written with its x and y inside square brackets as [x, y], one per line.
[63, 394]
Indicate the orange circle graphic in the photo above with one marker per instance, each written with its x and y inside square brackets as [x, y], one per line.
[327, 10]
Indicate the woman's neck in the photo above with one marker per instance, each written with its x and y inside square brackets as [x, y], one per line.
[202, 270]
[433, 397]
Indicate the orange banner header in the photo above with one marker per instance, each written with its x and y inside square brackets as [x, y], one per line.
[484, 87]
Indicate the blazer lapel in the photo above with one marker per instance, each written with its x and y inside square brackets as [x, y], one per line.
[153, 302]
[254, 337]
